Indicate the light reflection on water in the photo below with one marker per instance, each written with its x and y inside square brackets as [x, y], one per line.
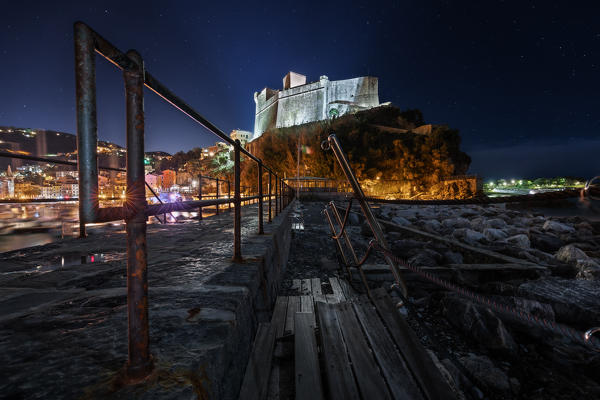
[19, 241]
[25, 225]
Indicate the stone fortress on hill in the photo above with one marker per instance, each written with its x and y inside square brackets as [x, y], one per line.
[300, 102]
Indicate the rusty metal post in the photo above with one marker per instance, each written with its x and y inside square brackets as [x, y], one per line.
[237, 218]
[200, 195]
[337, 239]
[139, 364]
[260, 198]
[270, 196]
[281, 194]
[217, 206]
[87, 132]
[228, 195]
[276, 196]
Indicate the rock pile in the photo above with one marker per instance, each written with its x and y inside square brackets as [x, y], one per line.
[547, 267]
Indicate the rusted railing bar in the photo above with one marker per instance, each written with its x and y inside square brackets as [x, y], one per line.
[139, 363]
[260, 198]
[87, 128]
[237, 217]
[119, 59]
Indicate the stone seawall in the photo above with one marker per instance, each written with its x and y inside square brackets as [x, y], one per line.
[63, 324]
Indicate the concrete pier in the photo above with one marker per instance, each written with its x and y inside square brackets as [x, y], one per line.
[63, 328]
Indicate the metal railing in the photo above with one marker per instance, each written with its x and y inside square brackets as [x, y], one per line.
[135, 210]
[333, 144]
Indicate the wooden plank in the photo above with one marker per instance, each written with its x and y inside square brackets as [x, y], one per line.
[366, 371]
[418, 360]
[316, 286]
[306, 306]
[279, 312]
[332, 298]
[305, 289]
[256, 377]
[349, 293]
[308, 374]
[337, 289]
[293, 306]
[296, 285]
[338, 371]
[395, 371]
[319, 297]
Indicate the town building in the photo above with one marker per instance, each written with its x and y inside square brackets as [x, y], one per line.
[50, 192]
[154, 180]
[243, 136]
[169, 178]
[300, 102]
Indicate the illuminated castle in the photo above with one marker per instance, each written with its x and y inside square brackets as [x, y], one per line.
[300, 102]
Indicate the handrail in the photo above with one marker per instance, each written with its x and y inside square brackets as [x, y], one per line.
[333, 144]
[135, 211]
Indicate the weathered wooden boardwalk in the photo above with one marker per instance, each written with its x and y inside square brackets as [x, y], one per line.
[339, 346]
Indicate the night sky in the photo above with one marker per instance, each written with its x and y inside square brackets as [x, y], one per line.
[520, 80]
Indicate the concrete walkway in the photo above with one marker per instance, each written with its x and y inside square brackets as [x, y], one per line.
[63, 323]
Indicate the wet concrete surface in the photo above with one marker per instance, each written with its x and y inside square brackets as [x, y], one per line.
[63, 325]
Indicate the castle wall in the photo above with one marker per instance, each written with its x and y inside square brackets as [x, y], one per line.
[313, 102]
[351, 95]
[266, 110]
[301, 104]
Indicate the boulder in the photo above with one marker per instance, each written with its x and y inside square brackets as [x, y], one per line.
[456, 223]
[570, 254]
[432, 225]
[588, 269]
[470, 212]
[353, 219]
[520, 240]
[425, 258]
[546, 242]
[486, 374]
[493, 235]
[573, 301]
[496, 223]
[401, 221]
[477, 223]
[478, 322]
[451, 257]
[468, 235]
[557, 227]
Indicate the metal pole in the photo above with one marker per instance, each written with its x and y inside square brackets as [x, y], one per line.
[337, 239]
[360, 196]
[229, 195]
[269, 196]
[87, 133]
[217, 206]
[237, 218]
[139, 364]
[276, 196]
[260, 200]
[336, 214]
[199, 195]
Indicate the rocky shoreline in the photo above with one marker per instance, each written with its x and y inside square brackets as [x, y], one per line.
[546, 266]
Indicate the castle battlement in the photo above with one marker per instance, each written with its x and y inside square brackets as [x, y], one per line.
[300, 102]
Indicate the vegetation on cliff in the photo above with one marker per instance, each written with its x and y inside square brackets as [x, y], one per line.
[387, 156]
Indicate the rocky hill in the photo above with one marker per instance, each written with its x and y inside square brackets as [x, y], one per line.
[392, 152]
